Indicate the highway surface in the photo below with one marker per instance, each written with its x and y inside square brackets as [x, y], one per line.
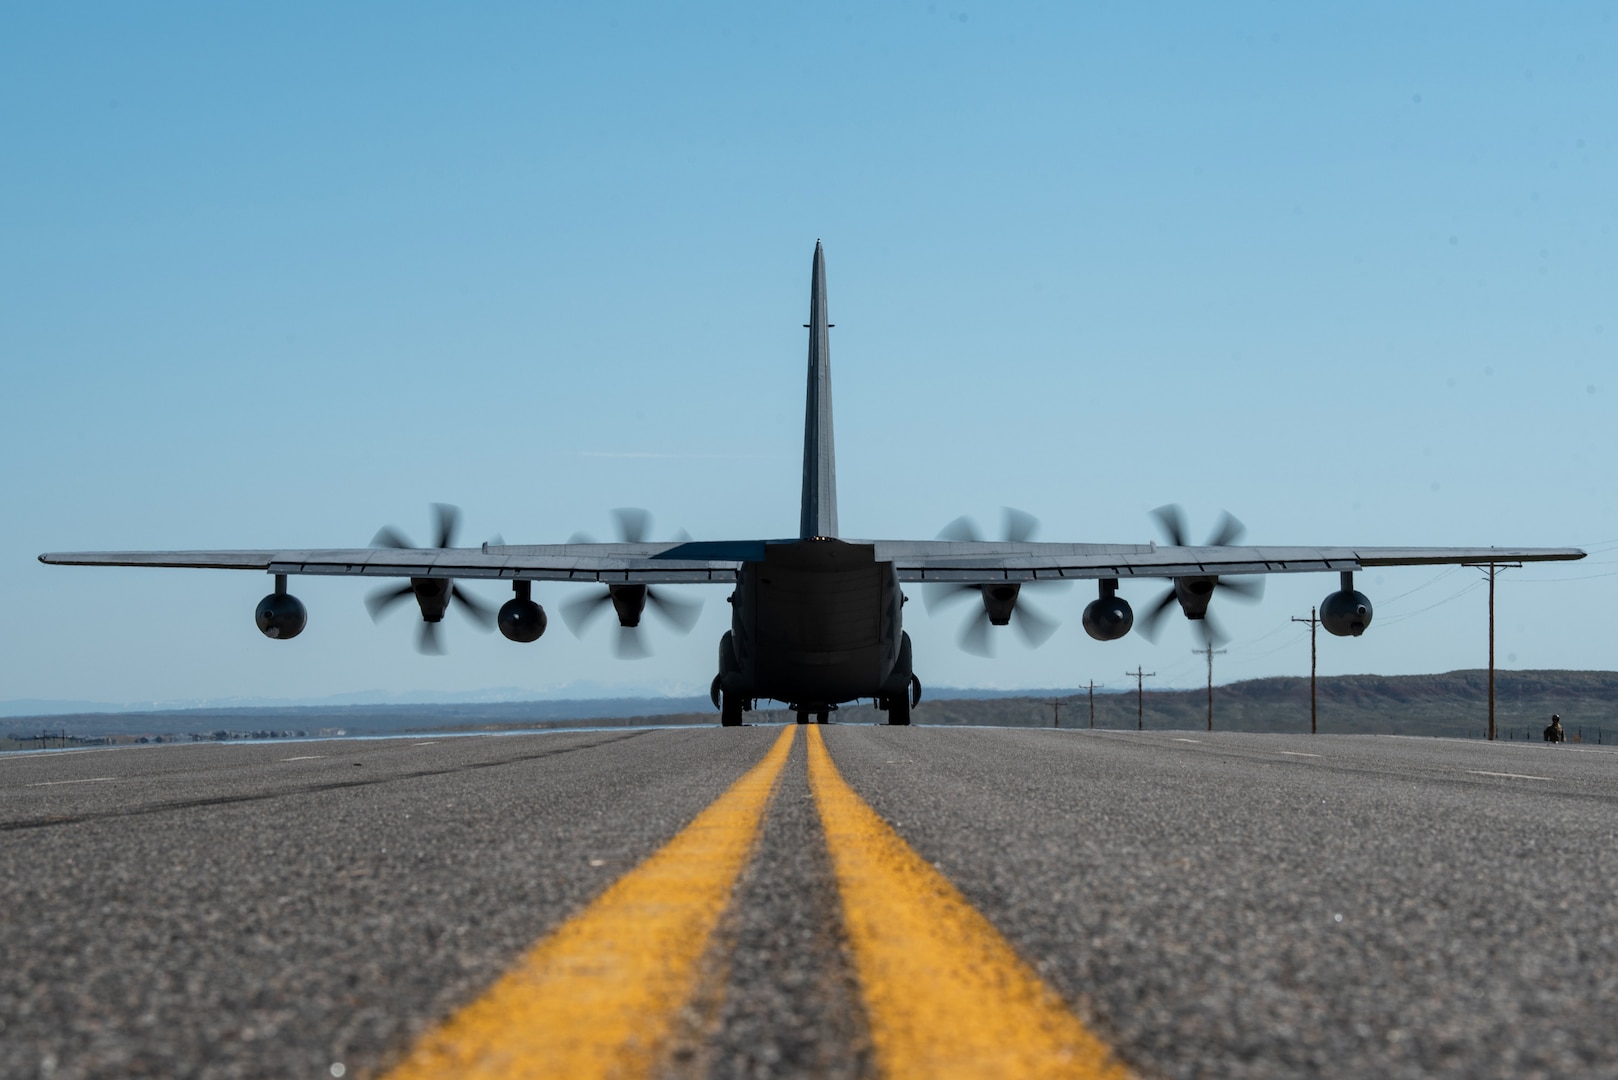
[845, 901]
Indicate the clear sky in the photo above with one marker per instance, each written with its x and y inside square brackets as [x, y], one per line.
[275, 276]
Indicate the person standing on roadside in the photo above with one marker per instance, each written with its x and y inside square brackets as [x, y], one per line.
[1554, 733]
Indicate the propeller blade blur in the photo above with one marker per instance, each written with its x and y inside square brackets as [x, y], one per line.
[1228, 531]
[1147, 623]
[449, 518]
[634, 524]
[975, 635]
[1034, 625]
[1246, 589]
[677, 611]
[1020, 525]
[580, 611]
[473, 608]
[629, 645]
[389, 537]
[936, 594]
[1171, 519]
[962, 529]
[381, 600]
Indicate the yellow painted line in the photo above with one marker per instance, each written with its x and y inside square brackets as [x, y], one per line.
[600, 995]
[945, 994]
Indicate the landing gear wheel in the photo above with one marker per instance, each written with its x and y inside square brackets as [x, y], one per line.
[820, 717]
[730, 710]
[899, 711]
[803, 716]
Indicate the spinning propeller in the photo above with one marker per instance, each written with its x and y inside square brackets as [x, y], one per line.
[1196, 593]
[433, 595]
[629, 601]
[1001, 603]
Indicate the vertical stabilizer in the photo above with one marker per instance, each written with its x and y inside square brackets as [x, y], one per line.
[819, 516]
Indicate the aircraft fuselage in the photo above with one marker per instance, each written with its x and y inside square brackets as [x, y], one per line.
[817, 622]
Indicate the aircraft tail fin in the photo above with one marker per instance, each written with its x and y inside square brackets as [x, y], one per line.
[819, 512]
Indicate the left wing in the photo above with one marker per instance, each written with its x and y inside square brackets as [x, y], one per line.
[624, 563]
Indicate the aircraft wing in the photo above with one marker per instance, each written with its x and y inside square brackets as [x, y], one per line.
[975, 562]
[686, 562]
[695, 562]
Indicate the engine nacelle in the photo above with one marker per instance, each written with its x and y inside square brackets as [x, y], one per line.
[1108, 618]
[1193, 593]
[1346, 613]
[521, 620]
[281, 615]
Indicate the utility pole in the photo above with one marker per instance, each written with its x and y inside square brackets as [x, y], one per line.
[1314, 624]
[1491, 569]
[1210, 652]
[1092, 689]
[1140, 678]
[1056, 712]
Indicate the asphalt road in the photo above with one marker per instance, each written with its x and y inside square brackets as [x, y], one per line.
[1210, 905]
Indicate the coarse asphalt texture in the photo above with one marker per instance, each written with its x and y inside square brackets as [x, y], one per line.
[1211, 904]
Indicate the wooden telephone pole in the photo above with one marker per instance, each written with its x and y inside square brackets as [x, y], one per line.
[1092, 689]
[1314, 624]
[1210, 652]
[1491, 569]
[1140, 678]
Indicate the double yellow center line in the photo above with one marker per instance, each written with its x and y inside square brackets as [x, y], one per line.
[945, 994]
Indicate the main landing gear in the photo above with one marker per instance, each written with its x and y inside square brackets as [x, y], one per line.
[821, 715]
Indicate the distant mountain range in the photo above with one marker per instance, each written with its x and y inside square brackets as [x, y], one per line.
[1452, 704]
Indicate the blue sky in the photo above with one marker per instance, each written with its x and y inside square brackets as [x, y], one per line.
[279, 276]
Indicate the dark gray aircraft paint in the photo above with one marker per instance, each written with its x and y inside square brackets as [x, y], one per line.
[816, 621]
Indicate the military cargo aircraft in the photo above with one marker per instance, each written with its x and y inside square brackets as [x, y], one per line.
[816, 619]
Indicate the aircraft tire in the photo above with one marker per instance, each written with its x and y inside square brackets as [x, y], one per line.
[899, 711]
[730, 710]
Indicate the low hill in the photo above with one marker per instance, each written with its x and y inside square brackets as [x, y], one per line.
[1452, 704]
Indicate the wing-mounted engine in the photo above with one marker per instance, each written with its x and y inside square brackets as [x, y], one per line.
[1003, 603]
[1346, 612]
[433, 594]
[1109, 616]
[629, 602]
[1195, 592]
